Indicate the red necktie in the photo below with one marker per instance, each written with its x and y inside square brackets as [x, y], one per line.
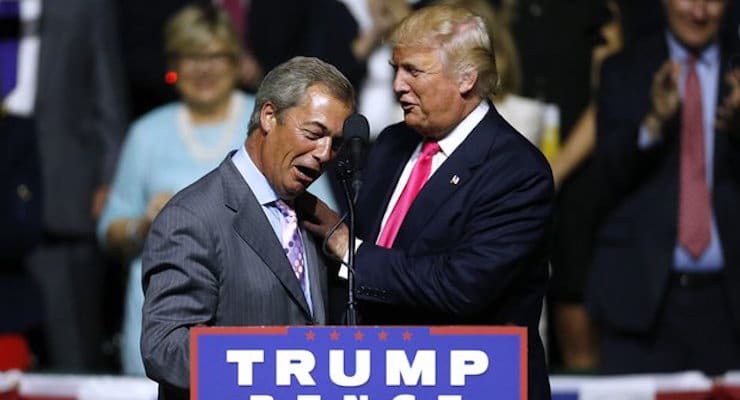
[416, 181]
[694, 212]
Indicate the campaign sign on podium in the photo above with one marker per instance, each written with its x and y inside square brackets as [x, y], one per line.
[359, 363]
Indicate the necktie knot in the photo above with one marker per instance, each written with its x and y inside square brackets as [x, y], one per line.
[691, 61]
[429, 149]
[286, 210]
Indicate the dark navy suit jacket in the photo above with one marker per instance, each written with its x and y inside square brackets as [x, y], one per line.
[471, 250]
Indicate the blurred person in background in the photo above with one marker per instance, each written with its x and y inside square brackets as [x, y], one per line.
[62, 120]
[665, 285]
[145, 62]
[174, 145]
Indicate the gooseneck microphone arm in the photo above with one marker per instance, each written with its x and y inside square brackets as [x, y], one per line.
[356, 131]
[350, 317]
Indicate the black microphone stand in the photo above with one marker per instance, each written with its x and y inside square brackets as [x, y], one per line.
[346, 174]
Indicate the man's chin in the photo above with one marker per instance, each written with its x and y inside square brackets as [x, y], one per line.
[422, 129]
[412, 121]
[296, 190]
[303, 185]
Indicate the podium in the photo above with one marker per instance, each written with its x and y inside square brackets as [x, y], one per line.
[358, 363]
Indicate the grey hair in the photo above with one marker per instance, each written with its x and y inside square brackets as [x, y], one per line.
[286, 85]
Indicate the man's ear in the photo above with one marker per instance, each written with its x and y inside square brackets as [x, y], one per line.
[268, 117]
[467, 80]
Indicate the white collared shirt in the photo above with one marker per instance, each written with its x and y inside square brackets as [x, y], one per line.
[447, 145]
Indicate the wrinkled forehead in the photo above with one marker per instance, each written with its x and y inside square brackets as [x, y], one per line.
[417, 55]
[321, 109]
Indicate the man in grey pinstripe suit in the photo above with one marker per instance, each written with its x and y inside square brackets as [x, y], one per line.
[216, 254]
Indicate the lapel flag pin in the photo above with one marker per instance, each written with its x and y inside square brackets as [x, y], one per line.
[455, 180]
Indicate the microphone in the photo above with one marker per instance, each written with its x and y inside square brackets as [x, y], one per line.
[356, 134]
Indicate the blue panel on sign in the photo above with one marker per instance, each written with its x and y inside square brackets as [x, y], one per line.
[359, 363]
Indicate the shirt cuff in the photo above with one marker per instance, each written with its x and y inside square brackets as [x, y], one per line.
[343, 270]
[644, 139]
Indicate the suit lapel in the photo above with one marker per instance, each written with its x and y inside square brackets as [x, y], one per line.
[451, 176]
[251, 224]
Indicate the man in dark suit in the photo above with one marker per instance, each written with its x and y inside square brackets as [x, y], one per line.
[454, 208]
[61, 126]
[666, 281]
[226, 250]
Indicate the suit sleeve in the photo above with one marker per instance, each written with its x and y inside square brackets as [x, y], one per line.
[504, 234]
[180, 291]
[623, 103]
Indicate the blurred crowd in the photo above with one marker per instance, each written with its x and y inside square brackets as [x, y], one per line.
[110, 107]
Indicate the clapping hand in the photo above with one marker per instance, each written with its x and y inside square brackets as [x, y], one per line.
[664, 98]
[728, 111]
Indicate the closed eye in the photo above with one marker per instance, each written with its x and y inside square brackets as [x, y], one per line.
[312, 135]
[336, 142]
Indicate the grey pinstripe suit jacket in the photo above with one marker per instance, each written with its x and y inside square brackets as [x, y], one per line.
[212, 258]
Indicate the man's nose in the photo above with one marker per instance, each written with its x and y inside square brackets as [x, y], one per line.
[699, 10]
[399, 82]
[323, 151]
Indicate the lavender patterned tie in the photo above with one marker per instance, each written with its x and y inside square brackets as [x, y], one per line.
[291, 240]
